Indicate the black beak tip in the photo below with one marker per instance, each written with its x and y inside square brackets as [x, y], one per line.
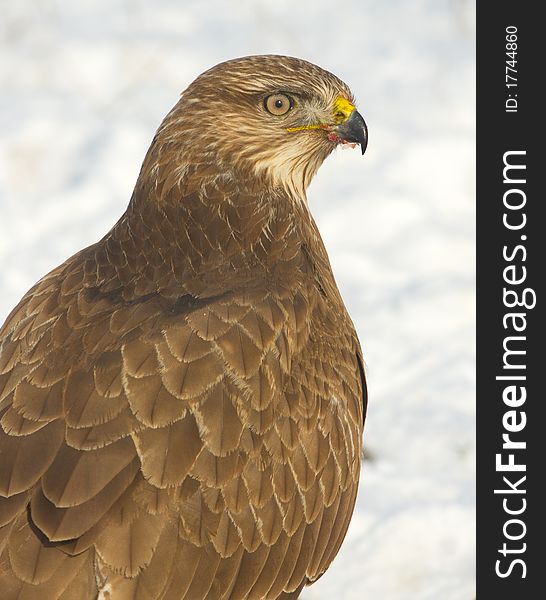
[354, 130]
[364, 142]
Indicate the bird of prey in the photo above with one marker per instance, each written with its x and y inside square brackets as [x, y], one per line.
[182, 403]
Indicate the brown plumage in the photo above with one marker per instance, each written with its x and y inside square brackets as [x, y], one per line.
[182, 403]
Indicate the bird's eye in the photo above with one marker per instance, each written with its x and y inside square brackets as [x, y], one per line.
[278, 104]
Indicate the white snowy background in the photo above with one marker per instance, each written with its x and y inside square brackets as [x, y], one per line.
[83, 86]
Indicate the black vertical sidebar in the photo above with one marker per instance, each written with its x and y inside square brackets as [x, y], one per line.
[511, 256]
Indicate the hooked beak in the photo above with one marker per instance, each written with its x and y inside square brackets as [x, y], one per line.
[353, 130]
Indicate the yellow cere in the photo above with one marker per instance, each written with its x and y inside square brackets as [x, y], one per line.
[342, 111]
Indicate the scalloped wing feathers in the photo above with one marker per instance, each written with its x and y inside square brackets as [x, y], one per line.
[233, 432]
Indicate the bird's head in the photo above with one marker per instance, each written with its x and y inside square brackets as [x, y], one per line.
[272, 118]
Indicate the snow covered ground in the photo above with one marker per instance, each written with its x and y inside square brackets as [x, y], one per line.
[84, 84]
